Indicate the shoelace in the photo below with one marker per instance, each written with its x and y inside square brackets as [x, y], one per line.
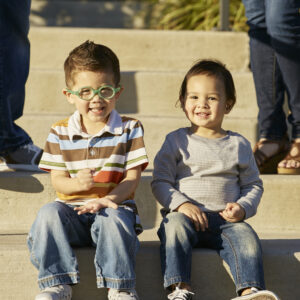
[180, 294]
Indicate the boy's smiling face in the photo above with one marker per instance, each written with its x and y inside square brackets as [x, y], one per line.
[205, 104]
[94, 113]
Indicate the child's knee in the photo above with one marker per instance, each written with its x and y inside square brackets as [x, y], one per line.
[117, 220]
[175, 226]
[50, 213]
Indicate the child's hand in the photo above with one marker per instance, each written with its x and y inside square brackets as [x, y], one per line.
[85, 179]
[194, 213]
[233, 212]
[95, 205]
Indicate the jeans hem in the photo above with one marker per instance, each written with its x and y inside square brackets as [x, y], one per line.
[115, 283]
[245, 285]
[174, 280]
[66, 278]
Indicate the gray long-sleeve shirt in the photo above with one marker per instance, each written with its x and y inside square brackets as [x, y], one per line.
[206, 172]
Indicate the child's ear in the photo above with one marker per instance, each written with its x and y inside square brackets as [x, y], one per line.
[68, 96]
[118, 94]
[228, 106]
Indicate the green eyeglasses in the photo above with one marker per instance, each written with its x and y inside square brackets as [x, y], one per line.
[87, 93]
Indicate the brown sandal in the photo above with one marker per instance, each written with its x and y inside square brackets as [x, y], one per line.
[268, 164]
[289, 156]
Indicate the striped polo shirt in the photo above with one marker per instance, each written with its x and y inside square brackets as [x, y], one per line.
[118, 147]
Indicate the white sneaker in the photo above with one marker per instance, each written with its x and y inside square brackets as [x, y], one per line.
[58, 292]
[180, 294]
[258, 295]
[114, 294]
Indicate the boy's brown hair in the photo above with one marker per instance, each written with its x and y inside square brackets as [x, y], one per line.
[210, 68]
[91, 57]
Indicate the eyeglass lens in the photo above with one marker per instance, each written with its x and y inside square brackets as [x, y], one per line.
[104, 92]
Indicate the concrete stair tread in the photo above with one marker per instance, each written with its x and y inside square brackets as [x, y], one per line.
[273, 243]
[23, 193]
[145, 49]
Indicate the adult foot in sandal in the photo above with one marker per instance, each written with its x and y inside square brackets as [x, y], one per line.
[291, 163]
[268, 153]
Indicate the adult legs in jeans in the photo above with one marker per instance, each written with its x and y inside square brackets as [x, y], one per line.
[58, 227]
[14, 68]
[274, 46]
[178, 237]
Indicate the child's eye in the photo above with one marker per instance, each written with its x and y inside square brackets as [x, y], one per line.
[193, 97]
[212, 98]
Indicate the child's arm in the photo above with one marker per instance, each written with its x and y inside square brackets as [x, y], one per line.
[62, 183]
[120, 193]
[251, 186]
[163, 185]
[164, 176]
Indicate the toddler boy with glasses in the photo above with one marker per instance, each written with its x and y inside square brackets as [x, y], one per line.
[95, 157]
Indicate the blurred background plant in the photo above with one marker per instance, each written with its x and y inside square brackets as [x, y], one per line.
[192, 15]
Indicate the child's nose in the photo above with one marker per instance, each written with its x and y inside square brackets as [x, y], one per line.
[96, 98]
[202, 102]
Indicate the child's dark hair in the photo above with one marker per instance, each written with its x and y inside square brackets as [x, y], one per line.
[91, 57]
[210, 68]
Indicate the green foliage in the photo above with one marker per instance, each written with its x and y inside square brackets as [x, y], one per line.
[193, 15]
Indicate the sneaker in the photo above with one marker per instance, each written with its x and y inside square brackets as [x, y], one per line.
[25, 158]
[258, 295]
[58, 292]
[180, 294]
[114, 294]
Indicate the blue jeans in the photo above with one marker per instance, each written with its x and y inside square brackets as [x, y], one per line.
[58, 228]
[236, 243]
[275, 62]
[14, 68]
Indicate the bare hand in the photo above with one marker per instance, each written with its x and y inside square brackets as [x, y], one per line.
[195, 214]
[85, 179]
[233, 212]
[95, 205]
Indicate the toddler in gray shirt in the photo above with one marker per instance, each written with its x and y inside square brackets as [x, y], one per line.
[207, 181]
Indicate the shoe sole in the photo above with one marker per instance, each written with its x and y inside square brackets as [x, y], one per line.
[19, 167]
[262, 295]
[288, 171]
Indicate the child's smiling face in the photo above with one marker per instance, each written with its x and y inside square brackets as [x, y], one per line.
[205, 104]
[94, 113]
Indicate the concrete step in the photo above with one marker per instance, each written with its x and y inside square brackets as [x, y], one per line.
[281, 262]
[149, 50]
[146, 93]
[156, 127]
[99, 14]
[22, 195]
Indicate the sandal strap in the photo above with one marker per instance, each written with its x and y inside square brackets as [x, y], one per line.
[293, 157]
[260, 157]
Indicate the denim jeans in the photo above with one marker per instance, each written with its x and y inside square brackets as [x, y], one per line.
[14, 68]
[58, 228]
[236, 243]
[275, 62]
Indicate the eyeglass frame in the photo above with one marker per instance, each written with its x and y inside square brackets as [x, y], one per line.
[97, 91]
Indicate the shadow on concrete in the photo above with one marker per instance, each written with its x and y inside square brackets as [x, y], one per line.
[23, 182]
[93, 14]
[128, 102]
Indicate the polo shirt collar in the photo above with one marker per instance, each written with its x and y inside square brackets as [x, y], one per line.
[114, 125]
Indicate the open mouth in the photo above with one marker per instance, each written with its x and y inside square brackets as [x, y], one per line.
[202, 114]
[96, 110]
